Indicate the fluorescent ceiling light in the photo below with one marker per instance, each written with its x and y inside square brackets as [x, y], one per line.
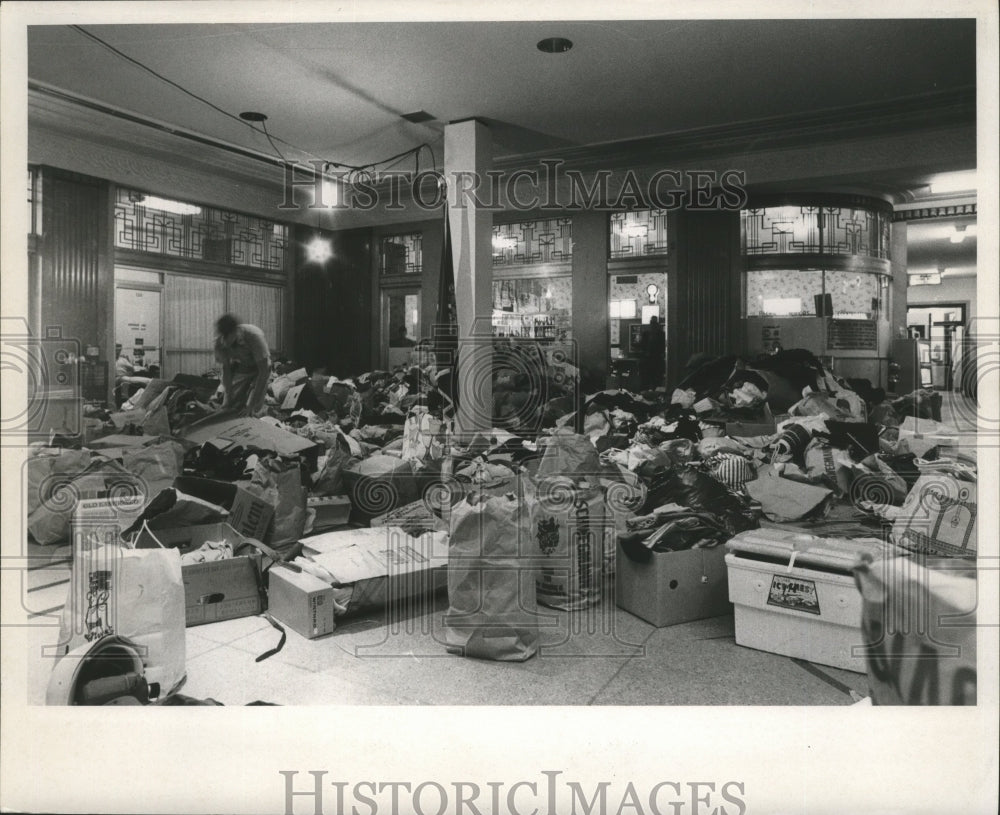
[167, 205]
[928, 279]
[960, 232]
[954, 182]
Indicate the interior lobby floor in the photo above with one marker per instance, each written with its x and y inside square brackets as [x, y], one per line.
[367, 662]
[605, 656]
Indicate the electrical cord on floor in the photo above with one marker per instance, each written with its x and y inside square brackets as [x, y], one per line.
[281, 642]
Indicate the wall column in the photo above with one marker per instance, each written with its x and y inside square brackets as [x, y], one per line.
[897, 253]
[468, 155]
[590, 298]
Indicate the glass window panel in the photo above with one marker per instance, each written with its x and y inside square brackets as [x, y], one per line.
[775, 293]
[160, 226]
[536, 307]
[855, 232]
[781, 230]
[638, 233]
[530, 242]
[797, 230]
[854, 295]
[401, 254]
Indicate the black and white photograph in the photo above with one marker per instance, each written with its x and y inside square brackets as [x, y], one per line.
[500, 409]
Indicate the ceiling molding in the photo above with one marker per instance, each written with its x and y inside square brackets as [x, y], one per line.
[896, 131]
[940, 109]
[926, 213]
[64, 110]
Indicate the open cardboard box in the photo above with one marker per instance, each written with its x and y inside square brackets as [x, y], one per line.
[218, 590]
[673, 587]
[248, 514]
[382, 565]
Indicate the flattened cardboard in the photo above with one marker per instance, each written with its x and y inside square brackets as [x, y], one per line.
[383, 564]
[121, 440]
[246, 432]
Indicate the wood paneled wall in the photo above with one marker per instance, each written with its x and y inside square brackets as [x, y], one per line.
[705, 308]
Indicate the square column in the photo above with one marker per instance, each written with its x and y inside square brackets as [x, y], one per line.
[468, 154]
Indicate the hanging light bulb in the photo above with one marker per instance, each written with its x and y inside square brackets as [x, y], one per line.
[319, 250]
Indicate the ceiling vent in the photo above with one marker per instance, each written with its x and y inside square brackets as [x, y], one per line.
[418, 116]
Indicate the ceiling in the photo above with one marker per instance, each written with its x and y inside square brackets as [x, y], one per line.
[929, 247]
[337, 91]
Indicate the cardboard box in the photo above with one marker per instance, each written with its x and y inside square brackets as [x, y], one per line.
[382, 565]
[249, 514]
[331, 510]
[414, 518]
[301, 397]
[219, 590]
[765, 426]
[673, 587]
[795, 594]
[301, 602]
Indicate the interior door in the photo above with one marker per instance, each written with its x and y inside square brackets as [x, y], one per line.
[401, 325]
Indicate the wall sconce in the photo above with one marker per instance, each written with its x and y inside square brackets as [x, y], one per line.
[652, 290]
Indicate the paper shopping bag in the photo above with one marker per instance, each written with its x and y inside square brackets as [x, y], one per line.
[491, 590]
[132, 593]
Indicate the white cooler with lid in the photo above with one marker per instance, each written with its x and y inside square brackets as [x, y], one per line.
[794, 594]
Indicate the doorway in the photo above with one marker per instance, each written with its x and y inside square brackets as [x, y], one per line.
[633, 301]
[400, 325]
[943, 325]
[137, 324]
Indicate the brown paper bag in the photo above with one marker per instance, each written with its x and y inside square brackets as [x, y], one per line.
[279, 482]
[569, 530]
[491, 591]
